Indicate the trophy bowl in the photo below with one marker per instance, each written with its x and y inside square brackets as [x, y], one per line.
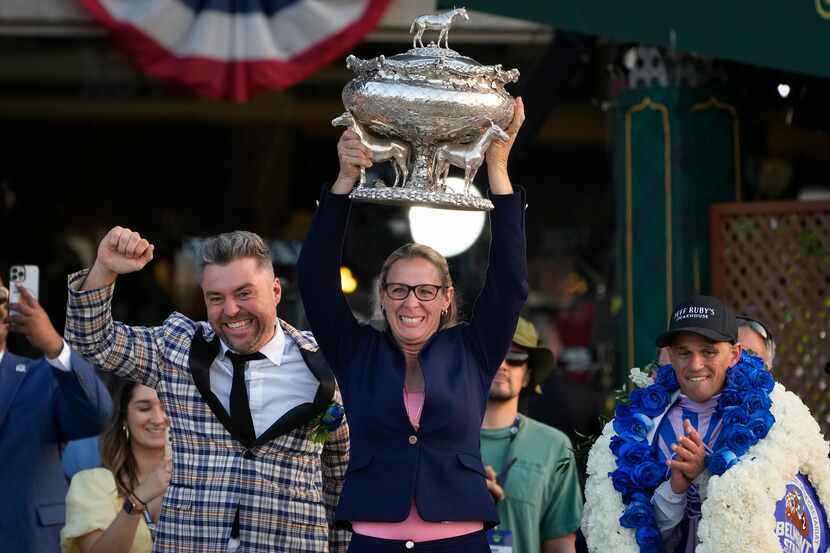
[426, 110]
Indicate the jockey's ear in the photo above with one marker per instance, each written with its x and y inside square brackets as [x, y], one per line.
[735, 353]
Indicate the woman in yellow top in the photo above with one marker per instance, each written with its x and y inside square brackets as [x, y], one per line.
[115, 509]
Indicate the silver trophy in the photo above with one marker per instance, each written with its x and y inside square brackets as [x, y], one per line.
[426, 110]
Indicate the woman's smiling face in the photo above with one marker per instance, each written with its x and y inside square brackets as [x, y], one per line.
[146, 418]
[413, 321]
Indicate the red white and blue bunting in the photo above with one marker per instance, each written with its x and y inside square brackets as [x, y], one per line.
[234, 49]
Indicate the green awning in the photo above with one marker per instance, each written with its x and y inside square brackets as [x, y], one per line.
[790, 35]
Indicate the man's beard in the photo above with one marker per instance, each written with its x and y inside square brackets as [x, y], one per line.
[501, 394]
[249, 346]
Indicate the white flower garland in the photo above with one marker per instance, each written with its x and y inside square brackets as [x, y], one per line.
[603, 504]
[739, 512]
[640, 378]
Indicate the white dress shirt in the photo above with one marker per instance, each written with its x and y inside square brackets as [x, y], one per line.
[63, 361]
[275, 384]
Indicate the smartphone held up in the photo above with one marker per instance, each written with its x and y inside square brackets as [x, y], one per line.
[27, 276]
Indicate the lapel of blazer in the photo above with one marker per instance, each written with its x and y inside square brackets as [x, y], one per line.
[202, 354]
[10, 380]
[305, 412]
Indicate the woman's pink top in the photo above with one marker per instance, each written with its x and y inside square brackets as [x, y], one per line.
[414, 527]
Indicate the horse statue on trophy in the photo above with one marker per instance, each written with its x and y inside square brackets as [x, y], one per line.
[465, 156]
[382, 149]
[437, 22]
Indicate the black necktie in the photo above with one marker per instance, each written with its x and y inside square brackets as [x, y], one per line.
[241, 419]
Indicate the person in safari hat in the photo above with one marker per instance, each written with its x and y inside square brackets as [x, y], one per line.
[531, 469]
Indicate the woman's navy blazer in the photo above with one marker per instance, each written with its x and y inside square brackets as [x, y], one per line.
[439, 465]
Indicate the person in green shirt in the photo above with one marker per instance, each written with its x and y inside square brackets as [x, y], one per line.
[531, 468]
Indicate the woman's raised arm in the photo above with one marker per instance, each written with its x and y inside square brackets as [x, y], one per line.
[318, 268]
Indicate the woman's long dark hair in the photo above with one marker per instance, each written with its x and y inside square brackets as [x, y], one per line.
[116, 451]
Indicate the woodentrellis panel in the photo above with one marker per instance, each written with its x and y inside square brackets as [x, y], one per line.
[771, 261]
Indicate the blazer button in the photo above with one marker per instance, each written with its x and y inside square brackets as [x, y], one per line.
[413, 439]
[410, 544]
[249, 455]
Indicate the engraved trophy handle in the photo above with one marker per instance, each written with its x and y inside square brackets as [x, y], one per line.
[382, 149]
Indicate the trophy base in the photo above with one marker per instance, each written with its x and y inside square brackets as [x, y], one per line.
[408, 196]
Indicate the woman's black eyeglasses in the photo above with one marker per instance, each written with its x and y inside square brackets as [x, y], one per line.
[400, 291]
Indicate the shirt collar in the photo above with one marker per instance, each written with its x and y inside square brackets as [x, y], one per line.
[2, 353]
[700, 408]
[505, 431]
[272, 350]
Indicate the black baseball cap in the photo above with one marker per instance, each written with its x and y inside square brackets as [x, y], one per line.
[702, 315]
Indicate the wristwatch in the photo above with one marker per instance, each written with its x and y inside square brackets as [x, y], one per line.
[132, 507]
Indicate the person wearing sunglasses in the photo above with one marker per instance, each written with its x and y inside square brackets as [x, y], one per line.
[531, 467]
[755, 336]
[415, 392]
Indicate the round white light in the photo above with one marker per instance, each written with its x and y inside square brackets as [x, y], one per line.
[448, 231]
[783, 90]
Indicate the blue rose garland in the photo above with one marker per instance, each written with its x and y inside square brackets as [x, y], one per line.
[744, 407]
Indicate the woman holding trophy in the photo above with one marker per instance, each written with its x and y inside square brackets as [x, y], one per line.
[415, 392]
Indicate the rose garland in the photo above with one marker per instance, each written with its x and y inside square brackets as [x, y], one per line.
[744, 406]
[739, 512]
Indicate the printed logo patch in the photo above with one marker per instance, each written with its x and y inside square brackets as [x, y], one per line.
[694, 312]
[800, 521]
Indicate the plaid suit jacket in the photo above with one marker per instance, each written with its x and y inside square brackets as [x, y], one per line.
[285, 486]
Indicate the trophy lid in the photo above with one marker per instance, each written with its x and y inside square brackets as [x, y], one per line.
[434, 65]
